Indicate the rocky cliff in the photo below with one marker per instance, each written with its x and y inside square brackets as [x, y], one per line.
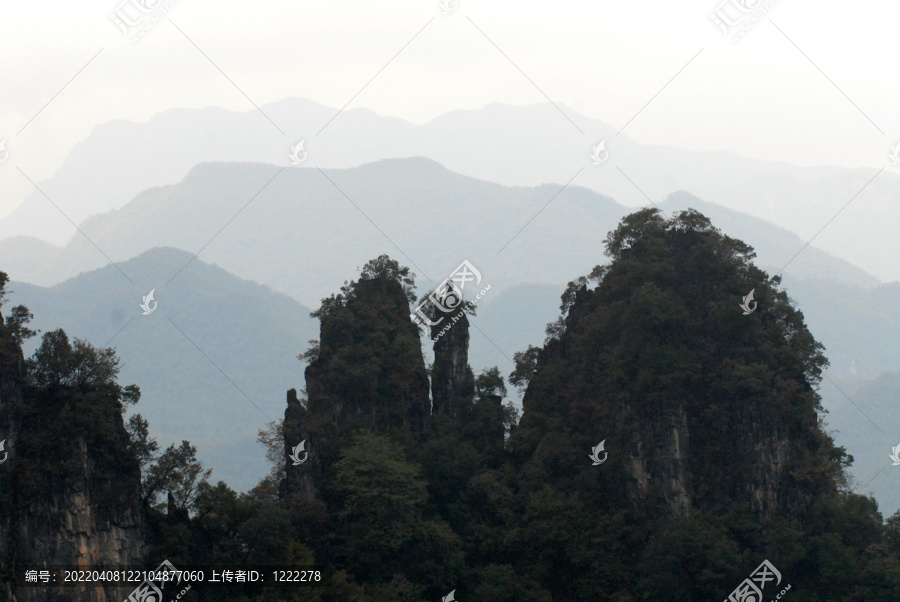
[64, 500]
[303, 469]
[452, 381]
[367, 371]
[701, 406]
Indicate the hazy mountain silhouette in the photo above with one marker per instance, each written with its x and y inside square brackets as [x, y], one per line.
[514, 146]
[868, 426]
[208, 327]
[303, 232]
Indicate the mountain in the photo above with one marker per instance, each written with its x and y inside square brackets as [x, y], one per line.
[435, 216]
[514, 146]
[258, 221]
[212, 361]
[704, 432]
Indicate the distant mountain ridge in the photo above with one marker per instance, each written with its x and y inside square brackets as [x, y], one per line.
[257, 220]
[212, 360]
[511, 145]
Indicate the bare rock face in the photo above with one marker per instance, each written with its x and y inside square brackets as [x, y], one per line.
[661, 454]
[86, 513]
[452, 381]
[68, 529]
[302, 467]
[663, 451]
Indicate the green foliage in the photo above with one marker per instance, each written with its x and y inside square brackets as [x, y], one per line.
[329, 305]
[178, 472]
[486, 422]
[510, 417]
[263, 537]
[79, 365]
[437, 556]
[73, 410]
[141, 445]
[381, 499]
[17, 321]
[398, 589]
[571, 544]
[526, 365]
[312, 353]
[272, 439]
[383, 267]
[555, 330]
[502, 583]
[689, 559]
[369, 357]
[449, 463]
[490, 382]
[568, 296]
[660, 338]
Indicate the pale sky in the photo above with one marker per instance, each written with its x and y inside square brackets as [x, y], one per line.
[811, 83]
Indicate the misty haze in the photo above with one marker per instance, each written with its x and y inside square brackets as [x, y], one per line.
[442, 301]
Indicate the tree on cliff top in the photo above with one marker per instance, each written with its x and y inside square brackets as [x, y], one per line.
[383, 269]
[18, 317]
